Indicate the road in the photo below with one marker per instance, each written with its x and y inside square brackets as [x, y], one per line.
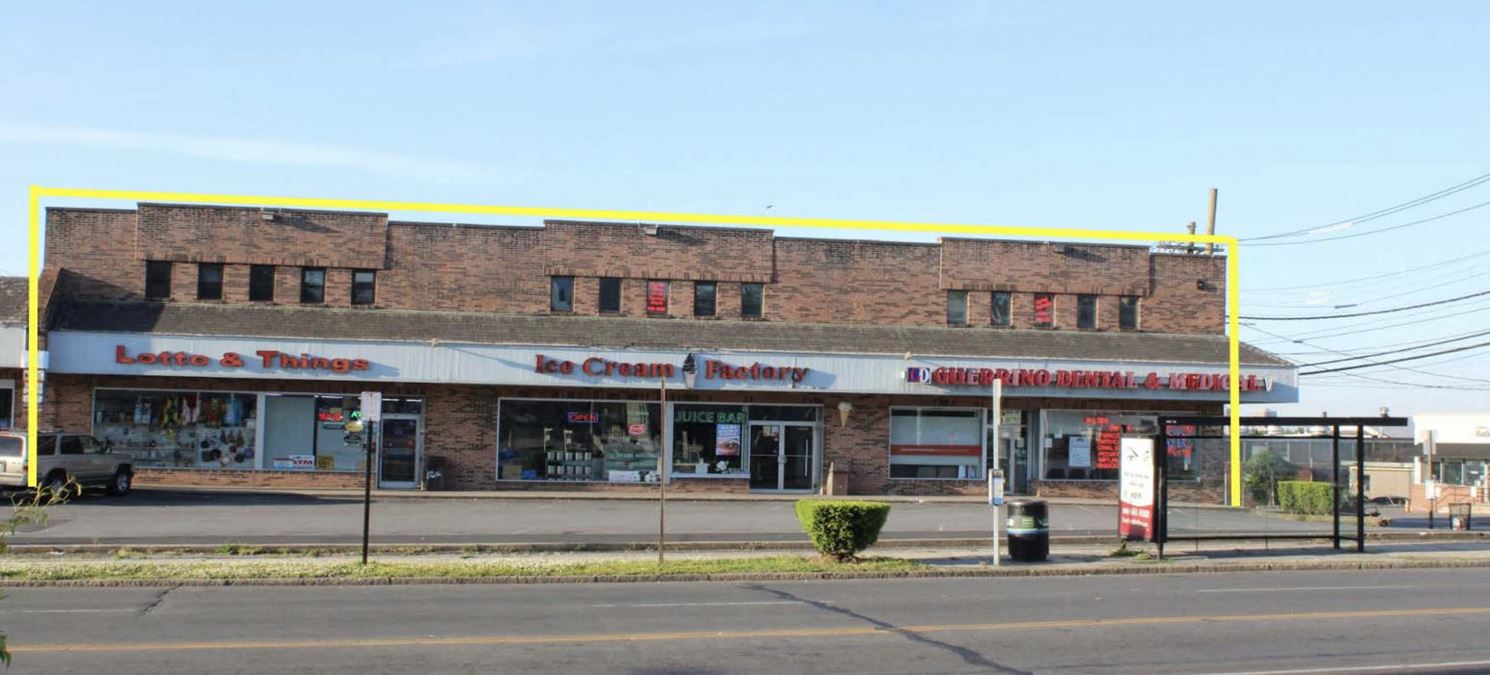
[179, 518]
[1309, 622]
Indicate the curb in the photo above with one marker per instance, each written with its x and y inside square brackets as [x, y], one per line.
[990, 572]
[690, 546]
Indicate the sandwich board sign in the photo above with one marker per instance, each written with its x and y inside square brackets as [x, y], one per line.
[1136, 490]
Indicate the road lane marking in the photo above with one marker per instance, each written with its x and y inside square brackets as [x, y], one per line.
[1399, 667]
[703, 604]
[68, 611]
[1275, 589]
[727, 634]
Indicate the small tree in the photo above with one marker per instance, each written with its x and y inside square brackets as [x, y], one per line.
[841, 529]
[1261, 474]
[28, 510]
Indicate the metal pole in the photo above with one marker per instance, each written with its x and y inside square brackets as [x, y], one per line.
[1360, 488]
[1160, 518]
[1210, 225]
[662, 461]
[372, 449]
[1428, 484]
[995, 500]
[1335, 478]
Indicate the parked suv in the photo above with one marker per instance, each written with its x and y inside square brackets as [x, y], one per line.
[63, 457]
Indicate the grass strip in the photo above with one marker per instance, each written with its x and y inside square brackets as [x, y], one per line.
[467, 569]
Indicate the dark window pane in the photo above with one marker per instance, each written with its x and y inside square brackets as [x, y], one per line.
[364, 287]
[209, 281]
[158, 280]
[657, 297]
[1128, 312]
[1001, 314]
[1086, 311]
[261, 283]
[957, 308]
[703, 298]
[313, 285]
[751, 300]
[610, 295]
[561, 294]
[1044, 310]
[72, 445]
[783, 413]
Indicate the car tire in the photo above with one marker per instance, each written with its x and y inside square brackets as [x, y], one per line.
[121, 483]
[56, 485]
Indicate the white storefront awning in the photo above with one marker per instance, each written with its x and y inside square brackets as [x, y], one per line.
[435, 362]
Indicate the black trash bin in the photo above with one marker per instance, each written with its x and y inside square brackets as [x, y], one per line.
[434, 473]
[1029, 530]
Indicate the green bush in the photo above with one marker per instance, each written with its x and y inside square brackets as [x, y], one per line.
[1261, 474]
[841, 529]
[1305, 497]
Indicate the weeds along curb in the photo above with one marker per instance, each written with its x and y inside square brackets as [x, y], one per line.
[990, 572]
[414, 547]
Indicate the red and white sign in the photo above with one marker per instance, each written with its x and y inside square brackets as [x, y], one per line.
[1083, 379]
[1136, 490]
[937, 450]
[637, 429]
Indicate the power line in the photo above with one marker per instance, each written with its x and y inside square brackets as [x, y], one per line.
[1381, 213]
[1372, 327]
[1430, 219]
[1401, 360]
[1388, 364]
[1344, 282]
[1379, 298]
[1396, 351]
[1406, 345]
[1372, 313]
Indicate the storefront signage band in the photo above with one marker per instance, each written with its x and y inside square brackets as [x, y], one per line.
[1081, 379]
[267, 359]
[596, 366]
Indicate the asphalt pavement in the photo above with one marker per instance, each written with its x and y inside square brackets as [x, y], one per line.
[1273, 622]
[163, 517]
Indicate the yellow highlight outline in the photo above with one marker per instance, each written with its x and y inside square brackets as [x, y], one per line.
[39, 192]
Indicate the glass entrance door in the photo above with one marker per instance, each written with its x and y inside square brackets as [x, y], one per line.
[399, 451]
[782, 456]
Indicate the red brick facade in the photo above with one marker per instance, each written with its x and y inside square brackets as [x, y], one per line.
[430, 266]
[102, 254]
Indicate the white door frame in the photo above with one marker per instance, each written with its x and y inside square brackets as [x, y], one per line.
[816, 459]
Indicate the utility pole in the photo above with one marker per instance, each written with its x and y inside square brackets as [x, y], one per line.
[1210, 225]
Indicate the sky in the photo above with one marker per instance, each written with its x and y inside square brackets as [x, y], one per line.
[1306, 117]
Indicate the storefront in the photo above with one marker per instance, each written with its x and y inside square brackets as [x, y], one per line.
[562, 417]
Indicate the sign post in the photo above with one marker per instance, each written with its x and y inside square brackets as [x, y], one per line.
[371, 409]
[996, 474]
[662, 463]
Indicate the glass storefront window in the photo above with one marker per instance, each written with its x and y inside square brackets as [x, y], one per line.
[1086, 445]
[936, 443]
[606, 441]
[783, 413]
[709, 440]
[192, 429]
[7, 407]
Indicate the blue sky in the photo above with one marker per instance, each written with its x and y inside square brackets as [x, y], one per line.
[1090, 115]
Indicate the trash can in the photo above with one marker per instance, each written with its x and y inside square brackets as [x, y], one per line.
[1460, 515]
[1029, 530]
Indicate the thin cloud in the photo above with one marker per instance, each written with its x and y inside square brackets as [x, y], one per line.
[261, 151]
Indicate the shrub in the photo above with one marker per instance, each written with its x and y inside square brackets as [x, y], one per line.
[1305, 497]
[841, 529]
[1261, 474]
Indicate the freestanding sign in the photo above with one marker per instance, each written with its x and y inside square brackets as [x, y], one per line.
[1136, 490]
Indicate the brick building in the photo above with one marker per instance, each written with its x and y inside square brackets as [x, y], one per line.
[226, 346]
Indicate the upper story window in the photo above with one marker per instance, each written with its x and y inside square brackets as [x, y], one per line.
[364, 287]
[957, 308]
[209, 281]
[158, 280]
[261, 283]
[703, 298]
[1128, 312]
[1086, 312]
[1044, 310]
[657, 298]
[313, 285]
[561, 294]
[999, 315]
[610, 295]
[752, 298]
